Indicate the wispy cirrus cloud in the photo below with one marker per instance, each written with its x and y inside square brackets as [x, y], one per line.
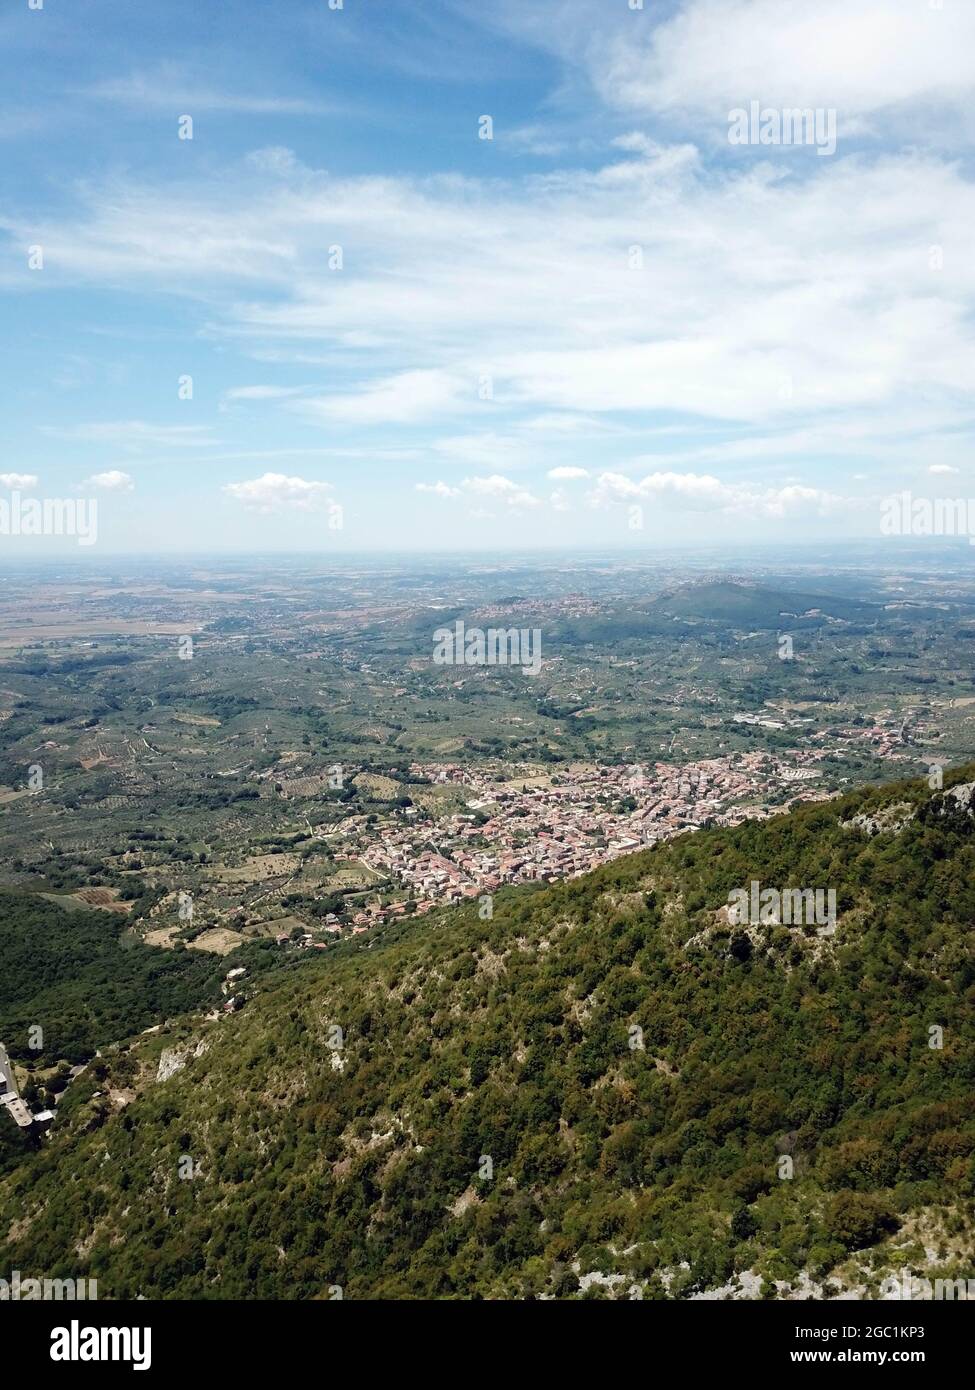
[448, 283]
[173, 85]
[260, 394]
[404, 398]
[736, 326]
[136, 435]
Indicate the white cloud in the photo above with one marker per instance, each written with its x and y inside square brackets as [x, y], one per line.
[486, 450]
[261, 393]
[135, 435]
[861, 56]
[274, 159]
[18, 480]
[112, 480]
[773, 306]
[503, 489]
[439, 489]
[493, 486]
[274, 492]
[708, 326]
[731, 265]
[942, 468]
[679, 491]
[702, 492]
[406, 398]
[557, 423]
[171, 86]
[565, 474]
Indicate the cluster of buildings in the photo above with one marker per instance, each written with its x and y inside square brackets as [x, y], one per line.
[512, 825]
[514, 831]
[10, 1098]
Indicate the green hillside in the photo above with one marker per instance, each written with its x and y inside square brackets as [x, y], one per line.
[752, 605]
[487, 1124]
[87, 982]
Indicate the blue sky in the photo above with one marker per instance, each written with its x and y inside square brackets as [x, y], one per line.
[606, 325]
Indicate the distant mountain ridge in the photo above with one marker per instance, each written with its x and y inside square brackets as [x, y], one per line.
[736, 601]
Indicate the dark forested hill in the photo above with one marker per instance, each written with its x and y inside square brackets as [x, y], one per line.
[73, 973]
[608, 1089]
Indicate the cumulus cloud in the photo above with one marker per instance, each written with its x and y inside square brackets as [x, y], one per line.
[679, 492]
[567, 473]
[704, 493]
[274, 492]
[18, 480]
[112, 480]
[438, 489]
[860, 56]
[501, 489]
[494, 486]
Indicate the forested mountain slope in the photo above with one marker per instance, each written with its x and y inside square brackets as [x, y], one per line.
[608, 1076]
[66, 970]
